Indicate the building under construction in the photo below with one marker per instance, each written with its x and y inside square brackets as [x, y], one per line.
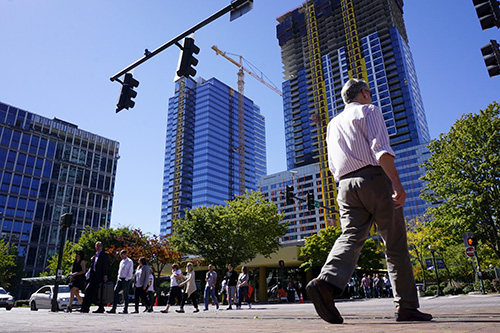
[214, 150]
[326, 42]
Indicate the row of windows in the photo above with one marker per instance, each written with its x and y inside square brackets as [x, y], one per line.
[26, 142]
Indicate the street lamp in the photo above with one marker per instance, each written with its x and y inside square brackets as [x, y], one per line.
[433, 249]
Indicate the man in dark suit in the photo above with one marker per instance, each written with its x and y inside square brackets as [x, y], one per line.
[99, 269]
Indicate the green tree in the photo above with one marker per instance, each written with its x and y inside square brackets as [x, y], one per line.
[421, 234]
[234, 233]
[66, 263]
[463, 177]
[317, 247]
[8, 255]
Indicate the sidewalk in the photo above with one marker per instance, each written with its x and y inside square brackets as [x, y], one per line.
[451, 314]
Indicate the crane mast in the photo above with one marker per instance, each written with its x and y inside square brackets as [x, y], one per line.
[241, 109]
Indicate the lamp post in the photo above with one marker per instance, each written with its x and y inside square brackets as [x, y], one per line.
[433, 249]
[65, 223]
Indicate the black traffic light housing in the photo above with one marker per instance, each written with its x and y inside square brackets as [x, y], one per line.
[125, 101]
[472, 241]
[310, 201]
[491, 56]
[289, 195]
[488, 12]
[66, 220]
[187, 58]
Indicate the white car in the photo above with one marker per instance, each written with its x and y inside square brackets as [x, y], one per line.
[42, 298]
[6, 300]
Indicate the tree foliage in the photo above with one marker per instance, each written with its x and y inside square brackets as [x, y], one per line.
[234, 233]
[317, 247]
[8, 255]
[463, 177]
[450, 248]
[421, 234]
[66, 263]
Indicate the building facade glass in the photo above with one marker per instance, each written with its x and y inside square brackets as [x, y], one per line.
[302, 222]
[204, 149]
[49, 167]
[330, 41]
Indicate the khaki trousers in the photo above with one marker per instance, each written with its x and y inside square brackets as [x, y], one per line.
[365, 197]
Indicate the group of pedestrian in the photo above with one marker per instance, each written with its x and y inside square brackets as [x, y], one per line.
[182, 287]
[97, 274]
[376, 287]
[237, 287]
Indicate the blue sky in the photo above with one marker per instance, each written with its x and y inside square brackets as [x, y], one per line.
[56, 57]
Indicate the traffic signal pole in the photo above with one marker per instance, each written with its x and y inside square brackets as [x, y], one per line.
[148, 55]
[479, 273]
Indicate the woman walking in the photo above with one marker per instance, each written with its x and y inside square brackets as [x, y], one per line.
[77, 280]
[242, 288]
[190, 290]
[175, 290]
[141, 285]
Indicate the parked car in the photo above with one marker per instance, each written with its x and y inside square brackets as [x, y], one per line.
[6, 299]
[42, 298]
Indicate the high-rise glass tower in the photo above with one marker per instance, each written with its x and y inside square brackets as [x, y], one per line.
[326, 42]
[215, 147]
[49, 167]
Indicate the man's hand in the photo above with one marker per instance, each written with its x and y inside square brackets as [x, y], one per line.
[399, 196]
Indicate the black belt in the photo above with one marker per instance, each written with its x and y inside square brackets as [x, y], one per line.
[366, 170]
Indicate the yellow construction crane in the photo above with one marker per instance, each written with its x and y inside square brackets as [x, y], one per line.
[241, 111]
[239, 64]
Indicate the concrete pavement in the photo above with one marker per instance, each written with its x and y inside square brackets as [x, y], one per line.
[451, 314]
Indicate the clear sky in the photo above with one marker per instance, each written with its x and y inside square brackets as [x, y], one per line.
[56, 57]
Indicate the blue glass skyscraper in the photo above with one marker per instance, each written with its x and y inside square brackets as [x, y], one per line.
[326, 42]
[49, 167]
[204, 149]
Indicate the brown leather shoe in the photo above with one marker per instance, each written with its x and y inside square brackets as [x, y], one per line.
[403, 314]
[321, 293]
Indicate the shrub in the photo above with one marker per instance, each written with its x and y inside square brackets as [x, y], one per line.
[496, 284]
[431, 290]
[22, 303]
[488, 286]
[468, 288]
[452, 289]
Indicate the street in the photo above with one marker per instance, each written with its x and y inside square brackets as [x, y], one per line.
[464, 313]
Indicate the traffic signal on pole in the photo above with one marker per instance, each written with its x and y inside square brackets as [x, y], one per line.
[289, 195]
[491, 56]
[472, 241]
[187, 58]
[66, 220]
[310, 201]
[488, 12]
[125, 101]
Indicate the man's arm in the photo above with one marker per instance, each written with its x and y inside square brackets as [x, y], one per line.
[387, 163]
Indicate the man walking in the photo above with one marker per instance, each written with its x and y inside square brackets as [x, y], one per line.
[231, 280]
[211, 279]
[99, 270]
[361, 159]
[125, 274]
